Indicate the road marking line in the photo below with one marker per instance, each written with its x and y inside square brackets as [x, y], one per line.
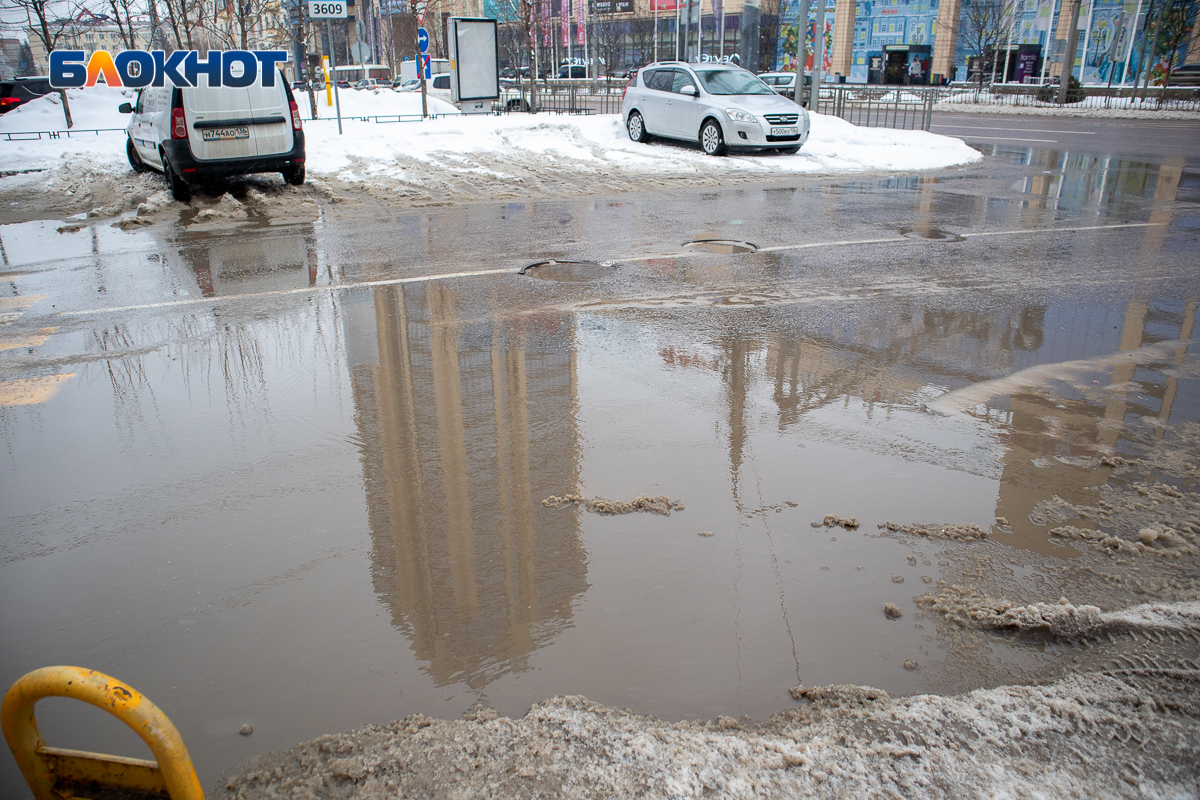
[484, 272]
[283, 292]
[1016, 130]
[1070, 230]
[1007, 138]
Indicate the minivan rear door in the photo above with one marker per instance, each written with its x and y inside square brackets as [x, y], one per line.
[219, 121]
[272, 115]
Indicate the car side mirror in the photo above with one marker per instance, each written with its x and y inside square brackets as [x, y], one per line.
[125, 108]
[689, 89]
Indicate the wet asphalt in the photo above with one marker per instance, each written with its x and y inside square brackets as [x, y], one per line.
[291, 475]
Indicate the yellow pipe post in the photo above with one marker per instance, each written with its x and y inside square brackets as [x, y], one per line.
[48, 770]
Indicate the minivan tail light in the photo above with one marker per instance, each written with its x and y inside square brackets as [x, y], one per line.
[178, 124]
[296, 125]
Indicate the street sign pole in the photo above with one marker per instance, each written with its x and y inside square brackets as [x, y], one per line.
[330, 10]
[422, 60]
[333, 67]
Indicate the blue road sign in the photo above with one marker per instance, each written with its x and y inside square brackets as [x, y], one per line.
[428, 72]
[423, 39]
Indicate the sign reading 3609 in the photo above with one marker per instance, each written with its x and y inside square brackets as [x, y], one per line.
[317, 9]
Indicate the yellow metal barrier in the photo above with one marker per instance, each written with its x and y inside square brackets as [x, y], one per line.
[53, 773]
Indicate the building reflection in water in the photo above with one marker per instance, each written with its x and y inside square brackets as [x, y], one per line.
[464, 427]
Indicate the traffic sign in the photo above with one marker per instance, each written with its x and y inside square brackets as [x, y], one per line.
[428, 74]
[327, 9]
[423, 39]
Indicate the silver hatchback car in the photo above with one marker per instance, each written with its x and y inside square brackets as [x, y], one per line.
[720, 106]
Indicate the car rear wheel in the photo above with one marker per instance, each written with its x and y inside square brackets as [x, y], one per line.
[179, 190]
[135, 160]
[712, 141]
[295, 176]
[637, 128]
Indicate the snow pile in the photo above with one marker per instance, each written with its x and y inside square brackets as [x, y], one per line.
[1116, 107]
[1090, 735]
[473, 156]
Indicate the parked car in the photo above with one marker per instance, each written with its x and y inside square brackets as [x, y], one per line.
[368, 83]
[572, 72]
[1188, 75]
[193, 134]
[439, 86]
[783, 82]
[717, 105]
[410, 85]
[21, 90]
[343, 84]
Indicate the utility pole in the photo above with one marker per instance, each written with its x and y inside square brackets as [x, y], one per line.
[801, 50]
[333, 69]
[1069, 55]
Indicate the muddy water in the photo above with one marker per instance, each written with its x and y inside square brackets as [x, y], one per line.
[263, 499]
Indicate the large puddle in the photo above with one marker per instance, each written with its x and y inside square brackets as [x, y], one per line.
[308, 509]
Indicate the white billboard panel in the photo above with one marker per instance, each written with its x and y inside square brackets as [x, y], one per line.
[474, 60]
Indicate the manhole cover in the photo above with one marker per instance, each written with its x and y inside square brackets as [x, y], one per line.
[931, 235]
[723, 246]
[569, 271]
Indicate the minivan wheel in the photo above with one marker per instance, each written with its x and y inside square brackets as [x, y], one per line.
[637, 128]
[179, 190]
[295, 176]
[711, 139]
[135, 160]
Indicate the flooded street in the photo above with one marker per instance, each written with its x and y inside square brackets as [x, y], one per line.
[291, 475]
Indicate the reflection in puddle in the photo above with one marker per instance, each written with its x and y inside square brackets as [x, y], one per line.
[464, 428]
[722, 246]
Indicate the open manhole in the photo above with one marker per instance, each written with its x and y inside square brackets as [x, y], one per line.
[723, 246]
[931, 234]
[568, 271]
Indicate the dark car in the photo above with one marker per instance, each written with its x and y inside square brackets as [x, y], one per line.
[1188, 75]
[22, 90]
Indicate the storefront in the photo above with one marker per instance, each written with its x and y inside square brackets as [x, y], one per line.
[900, 65]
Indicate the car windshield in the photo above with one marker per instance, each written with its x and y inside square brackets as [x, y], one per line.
[732, 82]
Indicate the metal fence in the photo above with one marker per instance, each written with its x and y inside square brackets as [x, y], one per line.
[904, 107]
[1156, 98]
[563, 97]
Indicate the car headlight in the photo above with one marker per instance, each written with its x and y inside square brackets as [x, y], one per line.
[737, 115]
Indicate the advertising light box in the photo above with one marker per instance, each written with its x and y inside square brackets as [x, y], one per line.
[474, 60]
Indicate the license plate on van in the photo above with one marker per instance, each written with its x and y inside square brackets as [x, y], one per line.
[219, 134]
[785, 131]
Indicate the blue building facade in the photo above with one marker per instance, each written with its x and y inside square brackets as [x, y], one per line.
[1109, 40]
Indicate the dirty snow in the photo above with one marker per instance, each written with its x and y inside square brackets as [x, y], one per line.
[454, 158]
[1091, 735]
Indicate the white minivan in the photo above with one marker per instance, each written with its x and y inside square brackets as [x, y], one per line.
[191, 134]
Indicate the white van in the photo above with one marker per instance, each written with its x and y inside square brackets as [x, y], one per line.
[190, 134]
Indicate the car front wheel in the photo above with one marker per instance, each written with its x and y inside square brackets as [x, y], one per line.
[637, 128]
[712, 141]
[135, 160]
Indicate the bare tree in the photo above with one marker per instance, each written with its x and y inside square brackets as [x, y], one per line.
[49, 20]
[984, 24]
[1176, 26]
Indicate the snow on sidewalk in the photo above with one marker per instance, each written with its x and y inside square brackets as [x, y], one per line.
[458, 157]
